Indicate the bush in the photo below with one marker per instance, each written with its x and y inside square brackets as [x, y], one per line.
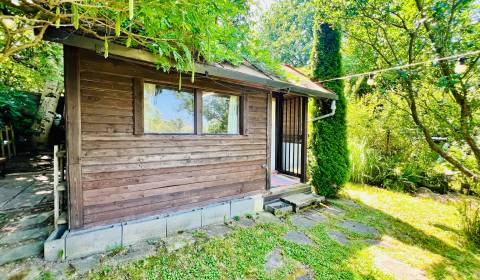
[365, 163]
[19, 109]
[328, 144]
[470, 212]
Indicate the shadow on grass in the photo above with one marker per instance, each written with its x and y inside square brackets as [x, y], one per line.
[243, 254]
[464, 262]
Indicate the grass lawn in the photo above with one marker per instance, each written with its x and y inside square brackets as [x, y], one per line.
[421, 233]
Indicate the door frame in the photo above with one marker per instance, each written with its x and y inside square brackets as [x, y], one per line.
[301, 121]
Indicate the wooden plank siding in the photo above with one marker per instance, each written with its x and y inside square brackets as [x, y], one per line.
[126, 174]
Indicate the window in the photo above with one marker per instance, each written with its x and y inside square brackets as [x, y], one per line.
[167, 110]
[220, 113]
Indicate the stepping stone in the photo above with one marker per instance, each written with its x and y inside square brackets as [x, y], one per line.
[85, 265]
[298, 238]
[22, 235]
[34, 219]
[305, 273]
[338, 236]
[332, 210]
[358, 227]
[397, 268]
[274, 260]
[134, 253]
[267, 218]
[278, 208]
[20, 252]
[244, 222]
[301, 221]
[348, 203]
[315, 216]
[300, 200]
[216, 230]
[177, 242]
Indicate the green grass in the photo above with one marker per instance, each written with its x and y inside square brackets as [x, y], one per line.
[420, 232]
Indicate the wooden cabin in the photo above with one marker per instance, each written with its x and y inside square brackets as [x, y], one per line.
[141, 145]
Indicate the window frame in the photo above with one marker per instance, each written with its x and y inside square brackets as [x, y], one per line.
[240, 105]
[139, 110]
[185, 89]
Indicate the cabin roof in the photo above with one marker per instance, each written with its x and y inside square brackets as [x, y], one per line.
[295, 82]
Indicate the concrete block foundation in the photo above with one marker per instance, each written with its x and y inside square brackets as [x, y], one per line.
[54, 247]
[215, 214]
[145, 229]
[83, 243]
[184, 221]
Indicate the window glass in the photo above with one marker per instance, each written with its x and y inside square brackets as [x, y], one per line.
[220, 113]
[167, 110]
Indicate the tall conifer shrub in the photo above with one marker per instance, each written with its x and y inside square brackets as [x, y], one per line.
[328, 163]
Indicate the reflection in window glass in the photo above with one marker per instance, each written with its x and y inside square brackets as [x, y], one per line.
[220, 113]
[167, 110]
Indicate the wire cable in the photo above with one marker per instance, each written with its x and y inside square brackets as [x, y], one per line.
[404, 66]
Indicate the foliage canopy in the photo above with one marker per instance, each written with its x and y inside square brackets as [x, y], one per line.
[287, 30]
[179, 32]
[438, 101]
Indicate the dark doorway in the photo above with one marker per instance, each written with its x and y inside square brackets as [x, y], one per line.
[291, 128]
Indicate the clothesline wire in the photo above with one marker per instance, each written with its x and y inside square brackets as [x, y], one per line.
[456, 56]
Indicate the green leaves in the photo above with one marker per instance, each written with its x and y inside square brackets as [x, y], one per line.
[330, 164]
[105, 48]
[130, 9]
[118, 22]
[209, 30]
[57, 21]
[75, 17]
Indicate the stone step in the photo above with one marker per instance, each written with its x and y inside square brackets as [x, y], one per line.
[275, 193]
[301, 200]
[278, 208]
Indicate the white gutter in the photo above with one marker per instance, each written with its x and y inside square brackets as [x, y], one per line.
[333, 107]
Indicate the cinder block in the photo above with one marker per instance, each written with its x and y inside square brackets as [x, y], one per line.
[184, 221]
[242, 207]
[259, 202]
[84, 243]
[137, 231]
[215, 214]
[54, 246]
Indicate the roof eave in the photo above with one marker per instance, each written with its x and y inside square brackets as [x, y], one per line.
[137, 54]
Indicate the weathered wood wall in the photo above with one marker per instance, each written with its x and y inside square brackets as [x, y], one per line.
[124, 176]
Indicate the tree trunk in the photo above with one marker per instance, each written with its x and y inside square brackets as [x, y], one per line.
[46, 112]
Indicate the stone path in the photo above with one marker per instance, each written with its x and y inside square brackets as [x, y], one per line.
[298, 237]
[267, 218]
[31, 228]
[338, 236]
[358, 228]
[335, 211]
[302, 221]
[274, 260]
[27, 217]
[216, 230]
[348, 203]
[397, 268]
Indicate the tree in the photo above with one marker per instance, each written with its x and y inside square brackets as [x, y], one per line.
[287, 30]
[328, 143]
[179, 32]
[439, 101]
[36, 70]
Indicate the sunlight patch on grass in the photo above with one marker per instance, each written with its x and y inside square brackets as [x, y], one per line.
[422, 233]
[427, 233]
